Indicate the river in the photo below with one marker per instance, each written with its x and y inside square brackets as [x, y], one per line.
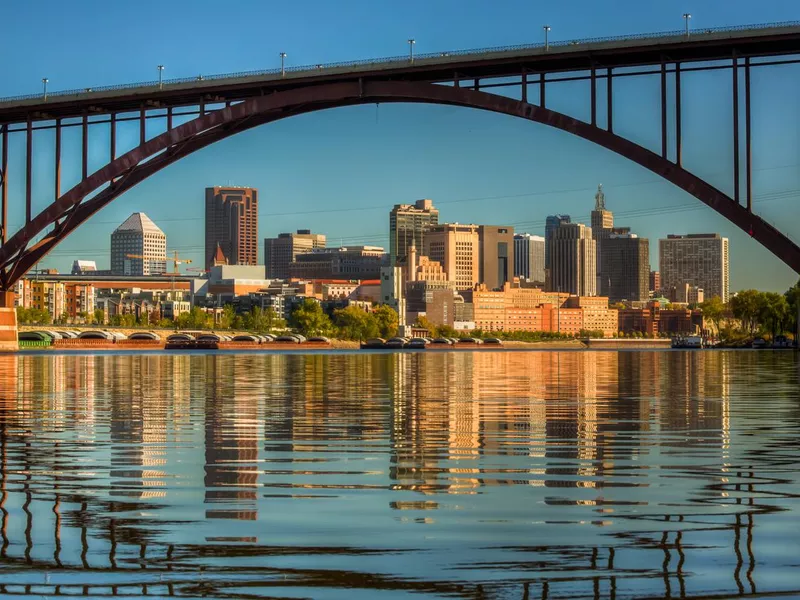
[355, 475]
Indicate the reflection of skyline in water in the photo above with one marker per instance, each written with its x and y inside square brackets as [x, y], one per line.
[589, 473]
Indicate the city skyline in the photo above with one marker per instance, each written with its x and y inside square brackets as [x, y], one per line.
[339, 171]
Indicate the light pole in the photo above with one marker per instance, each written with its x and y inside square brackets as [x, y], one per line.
[160, 76]
[686, 17]
[411, 42]
[283, 69]
[546, 43]
[44, 83]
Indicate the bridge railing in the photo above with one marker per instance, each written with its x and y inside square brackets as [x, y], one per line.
[403, 59]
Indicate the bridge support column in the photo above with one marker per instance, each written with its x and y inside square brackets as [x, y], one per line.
[8, 323]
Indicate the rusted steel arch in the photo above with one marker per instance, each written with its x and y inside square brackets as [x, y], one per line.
[70, 210]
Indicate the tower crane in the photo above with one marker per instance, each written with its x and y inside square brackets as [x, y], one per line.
[173, 259]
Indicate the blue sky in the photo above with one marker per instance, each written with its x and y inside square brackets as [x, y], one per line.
[340, 171]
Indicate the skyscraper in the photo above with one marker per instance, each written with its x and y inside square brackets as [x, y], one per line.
[282, 251]
[573, 266]
[625, 267]
[602, 226]
[496, 255]
[700, 260]
[456, 248]
[407, 227]
[138, 236]
[552, 223]
[529, 251]
[232, 222]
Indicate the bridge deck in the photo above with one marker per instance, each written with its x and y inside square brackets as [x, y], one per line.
[630, 51]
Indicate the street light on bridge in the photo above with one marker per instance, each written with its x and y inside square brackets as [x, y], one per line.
[686, 17]
[160, 75]
[44, 83]
[411, 43]
[546, 43]
[283, 58]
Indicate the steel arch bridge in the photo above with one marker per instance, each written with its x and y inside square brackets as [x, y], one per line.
[221, 106]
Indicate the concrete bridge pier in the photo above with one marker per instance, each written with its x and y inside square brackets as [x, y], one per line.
[8, 323]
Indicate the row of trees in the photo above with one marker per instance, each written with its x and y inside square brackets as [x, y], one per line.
[350, 323]
[758, 313]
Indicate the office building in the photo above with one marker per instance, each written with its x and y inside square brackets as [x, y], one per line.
[655, 282]
[602, 226]
[625, 270]
[573, 266]
[529, 251]
[496, 255]
[280, 252]
[551, 224]
[700, 260]
[457, 249]
[352, 262]
[232, 223]
[408, 225]
[138, 237]
[80, 267]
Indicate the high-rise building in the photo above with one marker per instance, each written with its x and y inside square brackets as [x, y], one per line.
[655, 282]
[551, 224]
[137, 237]
[701, 260]
[280, 252]
[602, 226]
[408, 225]
[496, 255]
[529, 251]
[573, 265]
[625, 267]
[232, 222]
[457, 249]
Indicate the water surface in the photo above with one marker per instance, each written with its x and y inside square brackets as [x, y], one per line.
[358, 475]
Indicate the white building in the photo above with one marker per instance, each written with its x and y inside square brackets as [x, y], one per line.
[529, 257]
[138, 237]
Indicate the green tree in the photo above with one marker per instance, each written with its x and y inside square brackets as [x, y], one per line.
[196, 318]
[166, 323]
[424, 323]
[715, 311]
[99, 316]
[792, 296]
[746, 306]
[387, 320]
[144, 319]
[309, 319]
[354, 323]
[773, 312]
[227, 317]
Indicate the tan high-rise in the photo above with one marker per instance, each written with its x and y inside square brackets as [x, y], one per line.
[408, 225]
[701, 260]
[232, 222]
[573, 267]
[282, 251]
[456, 247]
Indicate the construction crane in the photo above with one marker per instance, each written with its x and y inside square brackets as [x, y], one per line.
[173, 259]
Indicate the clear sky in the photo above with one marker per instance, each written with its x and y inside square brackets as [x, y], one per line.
[339, 172]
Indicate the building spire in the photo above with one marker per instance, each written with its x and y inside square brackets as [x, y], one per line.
[600, 198]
